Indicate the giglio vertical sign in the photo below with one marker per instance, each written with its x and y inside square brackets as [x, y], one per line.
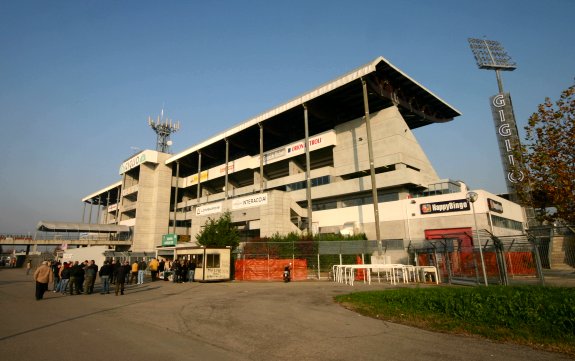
[508, 139]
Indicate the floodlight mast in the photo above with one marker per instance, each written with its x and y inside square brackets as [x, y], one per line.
[490, 54]
[163, 128]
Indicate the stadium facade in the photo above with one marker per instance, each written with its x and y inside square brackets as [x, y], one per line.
[314, 163]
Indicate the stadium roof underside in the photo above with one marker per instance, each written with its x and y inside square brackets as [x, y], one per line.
[106, 196]
[333, 103]
[47, 226]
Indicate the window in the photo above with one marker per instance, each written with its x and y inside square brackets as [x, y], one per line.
[302, 185]
[506, 223]
[213, 260]
[321, 206]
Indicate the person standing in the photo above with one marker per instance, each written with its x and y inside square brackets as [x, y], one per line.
[28, 267]
[43, 276]
[134, 274]
[176, 268]
[75, 278]
[56, 272]
[104, 274]
[90, 271]
[81, 276]
[121, 272]
[154, 265]
[141, 270]
[184, 271]
[64, 278]
[112, 275]
[192, 271]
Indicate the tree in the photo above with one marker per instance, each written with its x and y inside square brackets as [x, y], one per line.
[549, 159]
[219, 232]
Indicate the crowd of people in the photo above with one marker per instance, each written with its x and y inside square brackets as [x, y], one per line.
[75, 278]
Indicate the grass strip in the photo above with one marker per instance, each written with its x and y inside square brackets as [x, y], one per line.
[541, 317]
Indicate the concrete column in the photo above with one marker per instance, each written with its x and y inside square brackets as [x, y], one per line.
[176, 195]
[227, 162]
[307, 172]
[371, 167]
[199, 176]
[261, 157]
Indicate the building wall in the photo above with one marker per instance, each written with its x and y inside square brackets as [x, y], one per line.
[153, 204]
[393, 144]
[403, 219]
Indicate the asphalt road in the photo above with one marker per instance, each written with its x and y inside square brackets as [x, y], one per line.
[219, 321]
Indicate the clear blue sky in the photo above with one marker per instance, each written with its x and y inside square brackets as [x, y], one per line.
[78, 79]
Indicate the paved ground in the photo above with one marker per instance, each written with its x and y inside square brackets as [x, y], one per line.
[219, 321]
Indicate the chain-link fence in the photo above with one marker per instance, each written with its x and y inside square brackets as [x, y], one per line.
[459, 259]
[319, 256]
[489, 260]
[556, 246]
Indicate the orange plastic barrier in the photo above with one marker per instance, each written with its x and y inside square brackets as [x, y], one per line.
[518, 263]
[360, 273]
[269, 270]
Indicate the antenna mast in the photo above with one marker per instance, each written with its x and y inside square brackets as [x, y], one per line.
[163, 128]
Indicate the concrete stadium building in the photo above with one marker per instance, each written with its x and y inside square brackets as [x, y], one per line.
[314, 163]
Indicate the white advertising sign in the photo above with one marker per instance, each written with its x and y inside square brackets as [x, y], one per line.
[291, 150]
[141, 158]
[209, 209]
[250, 201]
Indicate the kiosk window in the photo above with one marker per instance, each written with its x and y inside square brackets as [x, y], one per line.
[212, 260]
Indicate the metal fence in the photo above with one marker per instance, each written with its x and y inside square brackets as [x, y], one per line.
[489, 260]
[556, 246]
[460, 260]
[320, 256]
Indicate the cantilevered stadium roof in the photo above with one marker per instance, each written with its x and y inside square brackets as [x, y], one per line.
[94, 197]
[330, 104]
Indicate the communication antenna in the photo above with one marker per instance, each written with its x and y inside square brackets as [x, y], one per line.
[163, 128]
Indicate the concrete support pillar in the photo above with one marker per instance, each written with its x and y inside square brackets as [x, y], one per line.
[199, 176]
[176, 196]
[261, 157]
[372, 167]
[307, 173]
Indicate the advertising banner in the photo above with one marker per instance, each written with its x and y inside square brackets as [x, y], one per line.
[508, 139]
[250, 201]
[209, 209]
[457, 205]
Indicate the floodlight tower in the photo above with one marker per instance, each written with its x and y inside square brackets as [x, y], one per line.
[490, 55]
[163, 128]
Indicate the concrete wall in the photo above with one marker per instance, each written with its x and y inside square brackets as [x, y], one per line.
[393, 144]
[153, 204]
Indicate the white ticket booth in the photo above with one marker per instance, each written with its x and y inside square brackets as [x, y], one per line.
[212, 264]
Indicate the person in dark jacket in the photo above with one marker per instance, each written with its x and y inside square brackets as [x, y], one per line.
[121, 273]
[104, 274]
[64, 278]
[56, 270]
[176, 268]
[75, 271]
[91, 270]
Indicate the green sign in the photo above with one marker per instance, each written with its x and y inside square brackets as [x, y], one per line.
[169, 239]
